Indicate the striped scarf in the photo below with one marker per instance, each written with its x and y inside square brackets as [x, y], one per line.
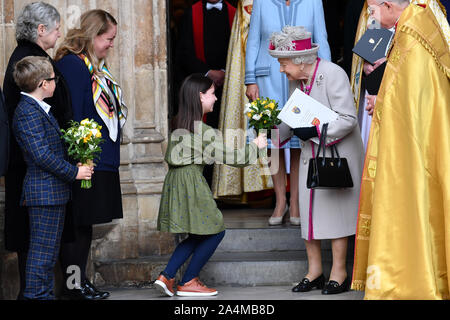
[107, 93]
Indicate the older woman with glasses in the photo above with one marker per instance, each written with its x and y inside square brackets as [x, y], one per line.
[324, 213]
[37, 30]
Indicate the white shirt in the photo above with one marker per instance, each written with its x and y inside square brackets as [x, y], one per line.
[45, 106]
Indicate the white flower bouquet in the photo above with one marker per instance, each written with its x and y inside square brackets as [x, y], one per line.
[262, 114]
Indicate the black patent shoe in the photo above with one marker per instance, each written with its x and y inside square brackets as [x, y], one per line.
[305, 285]
[94, 291]
[333, 287]
[79, 294]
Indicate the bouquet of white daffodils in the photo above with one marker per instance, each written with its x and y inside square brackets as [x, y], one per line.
[84, 141]
[262, 114]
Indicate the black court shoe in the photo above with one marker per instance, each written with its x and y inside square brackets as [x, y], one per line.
[305, 285]
[333, 287]
[79, 294]
[94, 291]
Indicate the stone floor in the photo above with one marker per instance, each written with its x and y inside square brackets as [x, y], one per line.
[236, 293]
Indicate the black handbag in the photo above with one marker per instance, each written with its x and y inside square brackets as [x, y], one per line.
[328, 173]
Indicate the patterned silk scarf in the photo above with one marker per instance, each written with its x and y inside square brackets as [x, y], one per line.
[108, 98]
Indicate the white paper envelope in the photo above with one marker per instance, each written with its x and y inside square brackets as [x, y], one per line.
[303, 111]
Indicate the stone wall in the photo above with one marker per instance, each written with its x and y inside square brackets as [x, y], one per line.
[139, 62]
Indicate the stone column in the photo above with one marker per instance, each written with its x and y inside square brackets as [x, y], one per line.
[139, 62]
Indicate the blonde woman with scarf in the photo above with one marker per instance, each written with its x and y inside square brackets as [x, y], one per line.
[95, 95]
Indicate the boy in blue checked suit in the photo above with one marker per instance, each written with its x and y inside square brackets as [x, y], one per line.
[47, 184]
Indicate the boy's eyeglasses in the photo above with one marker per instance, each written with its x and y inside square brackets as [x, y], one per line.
[55, 78]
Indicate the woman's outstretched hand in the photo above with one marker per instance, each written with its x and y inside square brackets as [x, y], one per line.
[252, 92]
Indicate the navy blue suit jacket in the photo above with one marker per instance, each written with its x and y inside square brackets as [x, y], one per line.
[49, 175]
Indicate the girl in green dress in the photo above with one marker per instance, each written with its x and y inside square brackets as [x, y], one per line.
[187, 205]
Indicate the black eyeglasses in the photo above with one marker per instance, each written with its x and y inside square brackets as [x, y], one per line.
[56, 78]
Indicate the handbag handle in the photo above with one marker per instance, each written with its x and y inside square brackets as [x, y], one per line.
[337, 154]
[322, 140]
[322, 145]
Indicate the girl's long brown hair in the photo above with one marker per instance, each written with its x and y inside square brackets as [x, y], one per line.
[190, 107]
[93, 23]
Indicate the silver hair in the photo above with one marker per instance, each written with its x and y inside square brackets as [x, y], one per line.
[306, 59]
[32, 16]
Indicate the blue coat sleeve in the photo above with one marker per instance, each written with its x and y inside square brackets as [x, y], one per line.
[320, 31]
[78, 80]
[29, 132]
[253, 43]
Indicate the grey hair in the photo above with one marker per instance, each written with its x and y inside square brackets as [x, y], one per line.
[32, 16]
[306, 59]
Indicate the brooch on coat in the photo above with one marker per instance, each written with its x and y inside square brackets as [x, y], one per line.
[319, 79]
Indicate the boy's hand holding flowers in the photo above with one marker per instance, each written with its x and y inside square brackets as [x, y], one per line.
[84, 141]
[84, 172]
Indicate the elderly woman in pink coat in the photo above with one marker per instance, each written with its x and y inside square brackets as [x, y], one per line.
[324, 213]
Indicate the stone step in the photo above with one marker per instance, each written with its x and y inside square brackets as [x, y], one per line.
[245, 257]
[265, 240]
[224, 268]
[261, 268]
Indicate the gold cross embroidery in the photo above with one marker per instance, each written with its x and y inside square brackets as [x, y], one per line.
[366, 228]
[395, 57]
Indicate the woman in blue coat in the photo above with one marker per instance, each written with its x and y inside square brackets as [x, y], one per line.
[263, 78]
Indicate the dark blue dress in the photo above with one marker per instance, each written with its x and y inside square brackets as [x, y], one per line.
[102, 203]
